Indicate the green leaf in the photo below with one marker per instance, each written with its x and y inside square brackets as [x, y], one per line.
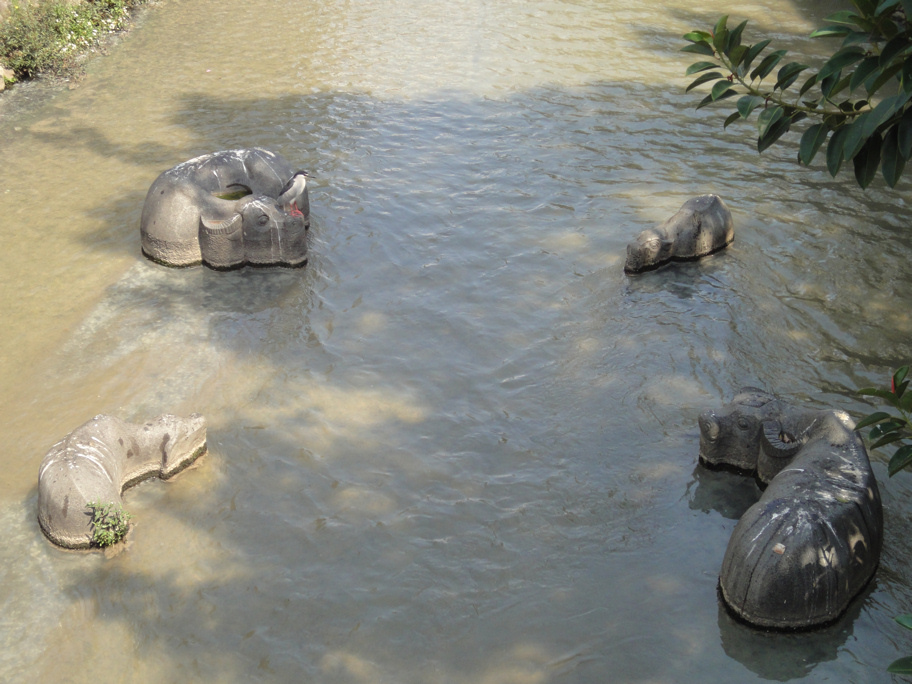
[734, 37]
[874, 84]
[834, 159]
[901, 666]
[720, 34]
[833, 84]
[893, 162]
[885, 5]
[846, 17]
[892, 425]
[894, 47]
[700, 66]
[906, 77]
[788, 75]
[856, 137]
[864, 70]
[699, 48]
[904, 620]
[768, 117]
[904, 134]
[719, 88]
[698, 37]
[900, 460]
[884, 111]
[773, 131]
[840, 60]
[736, 54]
[768, 64]
[711, 76]
[899, 376]
[867, 161]
[856, 38]
[886, 395]
[736, 116]
[830, 32]
[808, 84]
[752, 52]
[871, 419]
[907, 7]
[811, 141]
[748, 103]
[887, 439]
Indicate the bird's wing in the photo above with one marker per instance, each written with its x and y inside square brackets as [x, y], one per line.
[287, 186]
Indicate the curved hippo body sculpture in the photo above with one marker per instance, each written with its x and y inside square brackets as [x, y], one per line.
[221, 210]
[703, 225]
[798, 556]
[102, 458]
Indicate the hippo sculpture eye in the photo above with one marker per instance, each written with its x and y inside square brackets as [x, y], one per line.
[798, 556]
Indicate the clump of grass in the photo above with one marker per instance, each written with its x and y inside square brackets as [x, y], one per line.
[110, 523]
[47, 36]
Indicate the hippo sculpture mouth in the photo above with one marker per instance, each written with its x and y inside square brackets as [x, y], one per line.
[811, 543]
[223, 210]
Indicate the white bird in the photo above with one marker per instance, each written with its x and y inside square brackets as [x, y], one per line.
[290, 192]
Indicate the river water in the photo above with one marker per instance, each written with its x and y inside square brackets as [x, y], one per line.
[460, 445]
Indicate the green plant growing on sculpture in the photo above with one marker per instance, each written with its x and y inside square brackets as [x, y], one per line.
[110, 523]
[872, 129]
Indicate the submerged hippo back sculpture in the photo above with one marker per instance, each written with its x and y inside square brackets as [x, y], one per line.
[221, 209]
[102, 458]
[812, 542]
[703, 225]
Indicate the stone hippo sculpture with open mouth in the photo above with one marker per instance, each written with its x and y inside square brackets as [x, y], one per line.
[800, 554]
[703, 225]
[222, 210]
[102, 458]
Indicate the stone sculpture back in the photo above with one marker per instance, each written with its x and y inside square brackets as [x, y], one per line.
[798, 556]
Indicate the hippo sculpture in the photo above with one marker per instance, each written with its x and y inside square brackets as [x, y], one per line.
[221, 210]
[811, 543]
[703, 225]
[102, 458]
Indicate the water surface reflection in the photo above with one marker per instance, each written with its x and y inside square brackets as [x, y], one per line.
[460, 444]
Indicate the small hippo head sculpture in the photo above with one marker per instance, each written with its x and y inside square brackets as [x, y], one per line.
[257, 232]
[755, 433]
[703, 225]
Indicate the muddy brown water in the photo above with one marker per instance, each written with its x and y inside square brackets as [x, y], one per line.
[460, 446]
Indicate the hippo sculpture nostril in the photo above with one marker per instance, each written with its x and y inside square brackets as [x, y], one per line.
[811, 543]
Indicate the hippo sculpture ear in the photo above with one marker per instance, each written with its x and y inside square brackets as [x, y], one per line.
[222, 241]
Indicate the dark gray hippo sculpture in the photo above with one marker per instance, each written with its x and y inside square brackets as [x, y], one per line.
[221, 210]
[798, 556]
[703, 225]
[102, 458]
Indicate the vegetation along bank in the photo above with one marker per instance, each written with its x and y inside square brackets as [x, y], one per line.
[51, 37]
